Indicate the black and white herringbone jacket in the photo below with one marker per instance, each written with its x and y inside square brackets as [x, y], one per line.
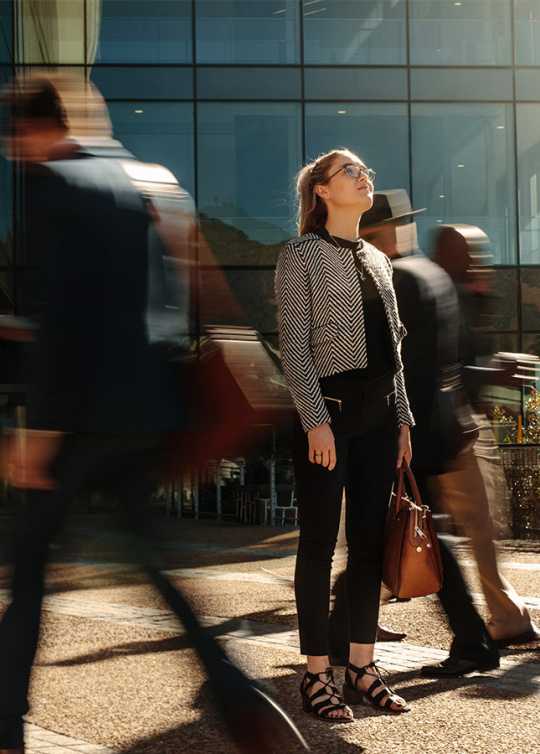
[321, 320]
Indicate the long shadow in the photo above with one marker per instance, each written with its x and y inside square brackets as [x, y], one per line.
[208, 734]
[479, 685]
[167, 644]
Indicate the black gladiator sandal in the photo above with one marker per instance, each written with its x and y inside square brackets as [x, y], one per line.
[328, 696]
[375, 693]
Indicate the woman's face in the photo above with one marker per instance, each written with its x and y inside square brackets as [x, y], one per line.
[347, 188]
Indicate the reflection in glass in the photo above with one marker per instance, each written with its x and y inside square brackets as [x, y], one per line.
[527, 32]
[6, 32]
[6, 236]
[159, 132]
[347, 32]
[505, 299]
[531, 344]
[528, 151]
[143, 82]
[265, 31]
[530, 298]
[463, 170]
[145, 31]
[248, 155]
[473, 32]
[254, 291]
[376, 132]
[51, 33]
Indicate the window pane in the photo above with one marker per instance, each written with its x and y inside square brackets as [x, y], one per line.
[259, 83]
[347, 32]
[460, 84]
[378, 133]
[134, 82]
[528, 149]
[6, 236]
[505, 304]
[530, 298]
[340, 83]
[6, 32]
[254, 291]
[531, 344]
[247, 31]
[158, 132]
[527, 32]
[463, 170]
[248, 154]
[145, 31]
[475, 32]
[51, 33]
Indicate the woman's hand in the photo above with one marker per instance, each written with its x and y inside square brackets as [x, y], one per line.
[404, 445]
[322, 448]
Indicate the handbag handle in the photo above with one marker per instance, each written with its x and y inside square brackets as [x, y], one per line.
[403, 470]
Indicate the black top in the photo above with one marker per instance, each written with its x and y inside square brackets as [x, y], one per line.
[380, 354]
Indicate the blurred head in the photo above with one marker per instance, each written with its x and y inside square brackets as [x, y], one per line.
[40, 111]
[386, 225]
[335, 180]
[463, 251]
[34, 119]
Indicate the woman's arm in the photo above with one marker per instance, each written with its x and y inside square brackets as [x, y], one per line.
[294, 312]
[404, 445]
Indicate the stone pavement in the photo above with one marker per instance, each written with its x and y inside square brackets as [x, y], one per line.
[514, 677]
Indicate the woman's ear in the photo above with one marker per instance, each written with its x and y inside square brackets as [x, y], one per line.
[321, 191]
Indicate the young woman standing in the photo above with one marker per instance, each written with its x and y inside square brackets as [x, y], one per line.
[340, 337]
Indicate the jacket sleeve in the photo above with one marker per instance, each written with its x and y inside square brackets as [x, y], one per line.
[294, 314]
[404, 413]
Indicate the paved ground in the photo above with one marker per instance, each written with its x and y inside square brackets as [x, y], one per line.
[115, 673]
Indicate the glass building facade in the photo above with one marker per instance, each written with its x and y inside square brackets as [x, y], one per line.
[440, 98]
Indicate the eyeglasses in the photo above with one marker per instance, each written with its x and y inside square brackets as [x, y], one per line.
[354, 171]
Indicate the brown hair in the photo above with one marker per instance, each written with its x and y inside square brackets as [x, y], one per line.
[311, 208]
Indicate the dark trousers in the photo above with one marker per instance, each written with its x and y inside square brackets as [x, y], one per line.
[365, 431]
[122, 464]
[472, 640]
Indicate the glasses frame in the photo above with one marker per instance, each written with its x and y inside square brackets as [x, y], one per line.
[368, 172]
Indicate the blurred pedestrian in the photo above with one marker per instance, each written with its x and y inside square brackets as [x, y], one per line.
[468, 489]
[428, 308]
[340, 338]
[101, 397]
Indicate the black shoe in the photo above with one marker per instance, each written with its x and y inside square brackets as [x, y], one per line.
[454, 667]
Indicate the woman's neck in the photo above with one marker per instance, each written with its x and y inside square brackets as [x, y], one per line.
[343, 226]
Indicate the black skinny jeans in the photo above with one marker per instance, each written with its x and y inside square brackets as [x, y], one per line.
[365, 431]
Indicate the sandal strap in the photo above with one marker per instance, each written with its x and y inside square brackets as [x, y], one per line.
[323, 707]
[379, 681]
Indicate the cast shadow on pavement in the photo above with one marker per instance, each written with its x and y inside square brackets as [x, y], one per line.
[509, 681]
[171, 643]
[208, 733]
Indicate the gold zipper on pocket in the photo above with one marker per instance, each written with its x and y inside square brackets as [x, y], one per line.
[336, 400]
[389, 396]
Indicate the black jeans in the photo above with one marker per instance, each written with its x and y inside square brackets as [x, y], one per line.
[365, 431]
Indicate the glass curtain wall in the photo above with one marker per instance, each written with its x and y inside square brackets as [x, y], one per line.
[440, 98]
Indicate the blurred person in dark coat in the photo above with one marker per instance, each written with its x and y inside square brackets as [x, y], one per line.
[468, 489]
[428, 308]
[101, 397]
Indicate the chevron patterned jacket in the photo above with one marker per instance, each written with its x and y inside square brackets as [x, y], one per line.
[321, 320]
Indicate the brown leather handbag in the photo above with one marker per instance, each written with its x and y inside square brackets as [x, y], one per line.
[412, 560]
